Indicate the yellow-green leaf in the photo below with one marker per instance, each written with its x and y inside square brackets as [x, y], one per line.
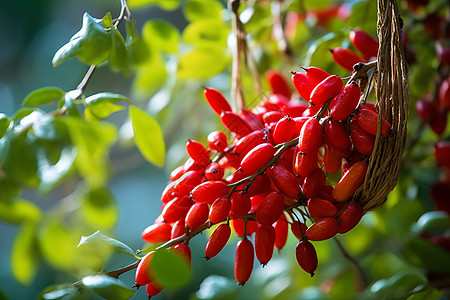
[19, 210]
[23, 254]
[43, 96]
[203, 63]
[162, 35]
[148, 136]
[99, 208]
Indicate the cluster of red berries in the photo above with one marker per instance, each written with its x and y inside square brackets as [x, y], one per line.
[273, 174]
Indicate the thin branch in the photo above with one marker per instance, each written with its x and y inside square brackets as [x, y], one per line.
[118, 272]
[83, 84]
[352, 260]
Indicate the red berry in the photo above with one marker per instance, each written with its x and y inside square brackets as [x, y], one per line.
[313, 183]
[346, 58]
[442, 154]
[424, 110]
[157, 233]
[219, 210]
[303, 85]
[336, 136]
[444, 93]
[239, 227]
[270, 209]
[311, 136]
[243, 261]
[197, 215]
[214, 171]
[177, 173]
[322, 229]
[316, 75]
[350, 182]
[240, 204]
[365, 43]
[281, 232]
[363, 141]
[153, 288]
[332, 159]
[285, 181]
[198, 152]
[257, 158]
[350, 217]
[305, 162]
[217, 240]
[143, 272]
[250, 141]
[178, 229]
[209, 191]
[284, 130]
[319, 208]
[235, 123]
[176, 209]
[264, 242]
[217, 100]
[345, 102]
[184, 252]
[368, 121]
[298, 229]
[187, 182]
[326, 89]
[306, 256]
[278, 84]
[217, 141]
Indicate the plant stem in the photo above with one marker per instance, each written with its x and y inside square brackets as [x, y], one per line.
[118, 272]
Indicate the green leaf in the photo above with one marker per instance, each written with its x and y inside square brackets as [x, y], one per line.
[171, 270]
[148, 136]
[99, 208]
[18, 211]
[9, 188]
[92, 142]
[5, 121]
[51, 174]
[399, 285]
[57, 245]
[92, 44]
[218, 288]
[23, 254]
[22, 113]
[432, 220]
[101, 111]
[138, 51]
[105, 97]
[118, 57]
[149, 78]
[43, 96]
[164, 4]
[364, 16]
[203, 9]
[108, 287]
[209, 32]
[99, 239]
[426, 255]
[18, 158]
[427, 294]
[65, 291]
[203, 63]
[162, 35]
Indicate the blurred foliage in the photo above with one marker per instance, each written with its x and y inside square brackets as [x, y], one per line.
[58, 137]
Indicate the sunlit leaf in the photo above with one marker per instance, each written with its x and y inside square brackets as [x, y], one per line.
[57, 245]
[101, 111]
[23, 254]
[99, 208]
[43, 96]
[149, 78]
[98, 238]
[92, 44]
[148, 136]
[218, 288]
[92, 142]
[19, 210]
[65, 291]
[108, 287]
[399, 285]
[50, 174]
[203, 9]
[203, 63]
[162, 35]
[209, 32]
[22, 113]
[165, 4]
[171, 270]
[118, 57]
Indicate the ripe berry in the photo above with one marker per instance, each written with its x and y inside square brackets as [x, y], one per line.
[346, 58]
[319, 208]
[368, 121]
[350, 182]
[332, 159]
[143, 272]
[298, 229]
[217, 240]
[250, 141]
[153, 288]
[345, 102]
[243, 261]
[217, 141]
[239, 227]
[240, 204]
[177, 173]
[217, 100]
[214, 171]
[363, 141]
[303, 85]
[285, 181]
[157, 233]
[365, 43]
[257, 158]
[313, 183]
[284, 130]
[209, 191]
[311, 136]
[304, 163]
[178, 229]
[219, 210]
[306, 256]
[316, 75]
[197, 215]
[176, 209]
[264, 242]
[198, 152]
[235, 123]
[424, 110]
[326, 89]
[442, 154]
[187, 182]
[350, 217]
[278, 84]
[184, 252]
[322, 229]
[281, 232]
[336, 135]
[270, 209]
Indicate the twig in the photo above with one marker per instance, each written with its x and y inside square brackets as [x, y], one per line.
[352, 260]
[118, 272]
